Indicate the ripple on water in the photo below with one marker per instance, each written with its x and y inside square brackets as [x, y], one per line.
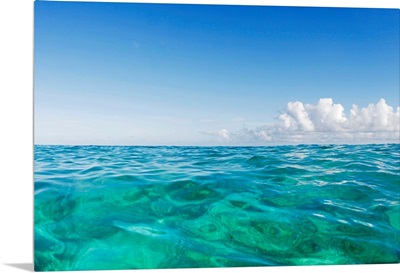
[175, 207]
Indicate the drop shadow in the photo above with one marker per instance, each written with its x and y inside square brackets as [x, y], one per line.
[24, 266]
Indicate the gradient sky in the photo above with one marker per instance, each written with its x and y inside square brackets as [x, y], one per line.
[152, 74]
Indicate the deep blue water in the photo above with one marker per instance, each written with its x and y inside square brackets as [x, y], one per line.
[124, 207]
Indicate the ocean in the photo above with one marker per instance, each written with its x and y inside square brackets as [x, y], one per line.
[138, 207]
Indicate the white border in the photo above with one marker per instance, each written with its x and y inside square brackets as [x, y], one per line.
[312, 3]
[16, 157]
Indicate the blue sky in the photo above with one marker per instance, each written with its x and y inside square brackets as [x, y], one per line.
[151, 74]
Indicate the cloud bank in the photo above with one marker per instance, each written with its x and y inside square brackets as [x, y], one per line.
[325, 122]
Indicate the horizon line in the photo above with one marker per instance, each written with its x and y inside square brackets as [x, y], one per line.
[267, 145]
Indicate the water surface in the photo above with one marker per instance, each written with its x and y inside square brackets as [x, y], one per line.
[131, 207]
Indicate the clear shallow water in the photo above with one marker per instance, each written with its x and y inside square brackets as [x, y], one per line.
[119, 207]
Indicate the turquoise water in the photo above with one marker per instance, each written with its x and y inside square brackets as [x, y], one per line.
[121, 207]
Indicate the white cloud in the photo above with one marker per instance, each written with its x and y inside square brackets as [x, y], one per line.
[326, 122]
[296, 117]
[378, 117]
[223, 134]
[327, 116]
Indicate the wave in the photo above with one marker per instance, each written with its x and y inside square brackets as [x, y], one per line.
[177, 207]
